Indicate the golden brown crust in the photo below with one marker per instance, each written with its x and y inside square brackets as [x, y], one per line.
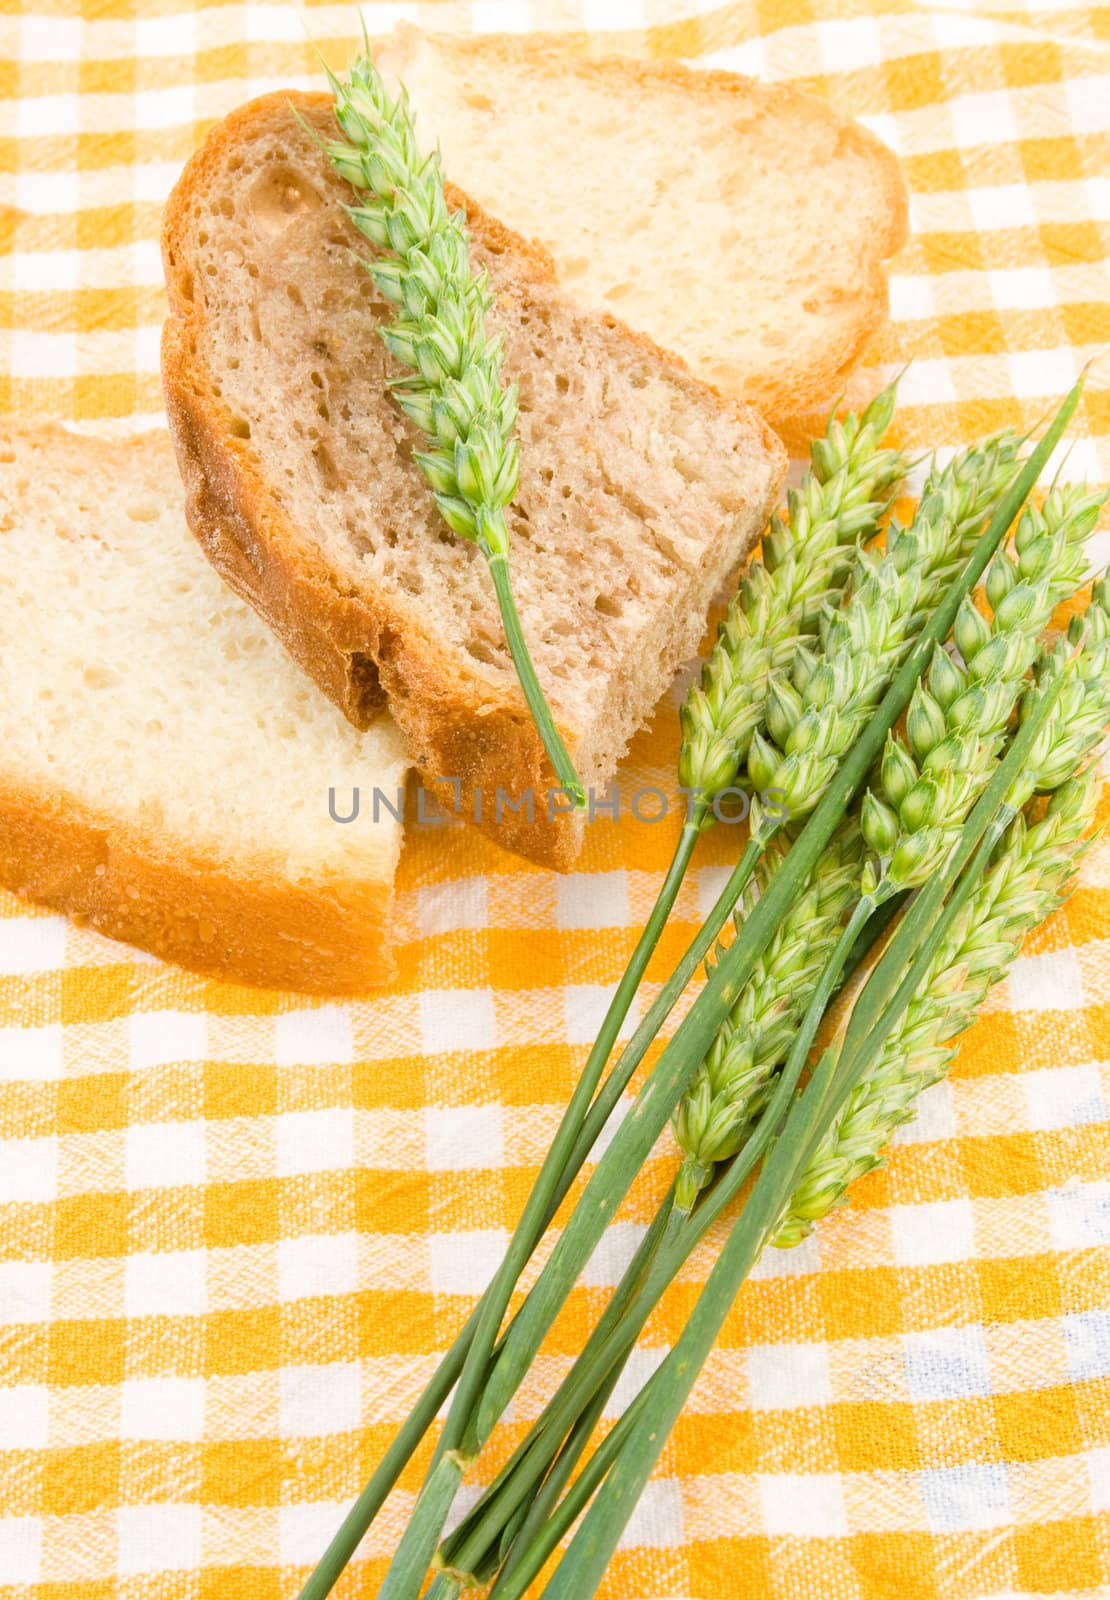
[783, 394]
[240, 922]
[456, 724]
[160, 895]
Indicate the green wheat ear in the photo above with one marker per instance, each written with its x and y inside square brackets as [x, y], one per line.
[451, 385]
[778, 605]
[1026, 881]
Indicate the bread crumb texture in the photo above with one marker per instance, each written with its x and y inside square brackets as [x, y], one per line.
[745, 225]
[148, 716]
[640, 490]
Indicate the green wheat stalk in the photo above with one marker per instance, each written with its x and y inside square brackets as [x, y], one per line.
[1028, 877]
[725, 1108]
[735, 1081]
[452, 388]
[805, 556]
[1025, 884]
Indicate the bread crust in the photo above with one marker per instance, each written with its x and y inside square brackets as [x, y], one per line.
[163, 896]
[457, 725]
[234, 919]
[785, 395]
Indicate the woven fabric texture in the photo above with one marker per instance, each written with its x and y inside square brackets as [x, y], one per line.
[236, 1228]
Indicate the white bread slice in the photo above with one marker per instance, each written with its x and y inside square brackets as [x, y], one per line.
[640, 489]
[164, 767]
[743, 225]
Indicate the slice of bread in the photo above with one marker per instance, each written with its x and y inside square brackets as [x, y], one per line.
[744, 225]
[164, 767]
[640, 489]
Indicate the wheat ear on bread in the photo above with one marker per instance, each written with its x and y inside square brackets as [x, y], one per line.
[641, 490]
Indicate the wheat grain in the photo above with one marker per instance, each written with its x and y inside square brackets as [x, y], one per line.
[1026, 882]
[1078, 719]
[735, 1081]
[815, 714]
[958, 718]
[805, 556]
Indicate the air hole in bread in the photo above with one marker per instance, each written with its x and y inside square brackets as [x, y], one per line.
[279, 196]
[239, 428]
[325, 466]
[100, 677]
[830, 299]
[142, 511]
[365, 683]
[487, 652]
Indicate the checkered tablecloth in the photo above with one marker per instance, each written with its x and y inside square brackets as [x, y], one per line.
[236, 1228]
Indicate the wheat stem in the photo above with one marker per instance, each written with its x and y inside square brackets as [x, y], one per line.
[815, 714]
[678, 1061]
[853, 467]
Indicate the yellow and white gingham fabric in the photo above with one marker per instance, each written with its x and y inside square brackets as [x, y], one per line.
[236, 1228]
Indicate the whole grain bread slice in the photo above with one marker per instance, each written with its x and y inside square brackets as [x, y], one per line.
[745, 225]
[640, 489]
[164, 766]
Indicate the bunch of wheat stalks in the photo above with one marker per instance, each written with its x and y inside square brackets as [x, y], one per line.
[928, 755]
